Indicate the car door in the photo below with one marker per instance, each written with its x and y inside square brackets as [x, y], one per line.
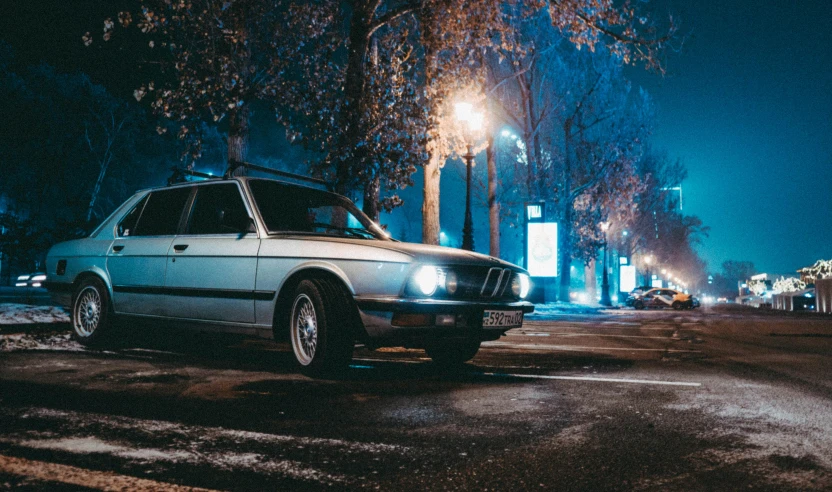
[137, 258]
[212, 266]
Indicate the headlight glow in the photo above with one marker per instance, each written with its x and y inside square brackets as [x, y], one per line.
[38, 278]
[520, 285]
[427, 279]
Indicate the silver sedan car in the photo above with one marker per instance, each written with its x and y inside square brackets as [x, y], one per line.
[279, 260]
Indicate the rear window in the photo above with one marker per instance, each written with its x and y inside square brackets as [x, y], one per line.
[162, 212]
[219, 209]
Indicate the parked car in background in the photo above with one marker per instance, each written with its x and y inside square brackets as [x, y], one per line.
[34, 280]
[279, 260]
[635, 293]
[665, 298]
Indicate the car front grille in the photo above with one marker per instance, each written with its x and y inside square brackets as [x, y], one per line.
[482, 283]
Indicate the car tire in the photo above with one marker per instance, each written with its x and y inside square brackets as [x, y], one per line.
[452, 352]
[320, 327]
[677, 305]
[638, 305]
[90, 317]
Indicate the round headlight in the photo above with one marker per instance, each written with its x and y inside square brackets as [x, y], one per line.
[426, 279]
[520, 285]
[451, 283]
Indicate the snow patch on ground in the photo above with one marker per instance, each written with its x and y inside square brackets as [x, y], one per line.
[541, 311]
[205, 434]
[24, 314]
[772, 417]
[225, 460]
[39, 341]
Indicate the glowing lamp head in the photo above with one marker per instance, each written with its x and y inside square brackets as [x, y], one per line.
[465, 113]
[427, 278]
[520, 285]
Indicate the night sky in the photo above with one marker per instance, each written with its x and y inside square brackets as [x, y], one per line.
[747, 106]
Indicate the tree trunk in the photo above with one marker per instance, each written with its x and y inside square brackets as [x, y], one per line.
[97, 189]
[565, 227]
[238, 137]
[363, 12]
[590, 284]
[493, 204]
[430, 197]
[372, 191]
[565, 233]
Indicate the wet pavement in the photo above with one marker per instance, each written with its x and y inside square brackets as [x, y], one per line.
[717, 399]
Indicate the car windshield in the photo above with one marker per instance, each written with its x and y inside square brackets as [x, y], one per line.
[296, 209]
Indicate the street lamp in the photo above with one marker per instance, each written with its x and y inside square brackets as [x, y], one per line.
[605, 282]
[472, 121]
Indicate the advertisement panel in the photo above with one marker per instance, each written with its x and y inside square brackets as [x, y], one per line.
[627, 278]
[542, 249]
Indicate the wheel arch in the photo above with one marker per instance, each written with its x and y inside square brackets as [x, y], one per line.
[284, 295]
[93, 273]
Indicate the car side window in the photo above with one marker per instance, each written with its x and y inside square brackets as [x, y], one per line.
[162, 212]
[219, 209]
[127, 226]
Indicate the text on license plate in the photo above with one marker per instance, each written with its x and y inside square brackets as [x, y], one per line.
[508, 319]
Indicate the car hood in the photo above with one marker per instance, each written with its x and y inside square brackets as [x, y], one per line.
[423, 253]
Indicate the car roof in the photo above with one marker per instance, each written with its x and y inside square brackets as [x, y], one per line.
[240, 179]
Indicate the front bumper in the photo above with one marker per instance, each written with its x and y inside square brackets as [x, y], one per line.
[444, 318]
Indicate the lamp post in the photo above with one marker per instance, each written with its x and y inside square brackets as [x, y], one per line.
[605, 282]
[648, 260]
[472, 121]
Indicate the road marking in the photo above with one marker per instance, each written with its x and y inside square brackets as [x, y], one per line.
[586, 378]
[583, 335]
[100, 480]
[574, 348]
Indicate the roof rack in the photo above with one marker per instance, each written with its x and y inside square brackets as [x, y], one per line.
[234, 165]
[178, 175]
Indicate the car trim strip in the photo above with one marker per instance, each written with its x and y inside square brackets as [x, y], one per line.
[395, 304]
[256, 295]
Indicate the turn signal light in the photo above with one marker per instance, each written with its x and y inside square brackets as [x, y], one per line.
[410, 319]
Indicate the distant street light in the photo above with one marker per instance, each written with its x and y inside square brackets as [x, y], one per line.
[472, 120]
[605, 283]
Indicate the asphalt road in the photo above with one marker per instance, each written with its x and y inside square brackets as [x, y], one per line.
[621, 400]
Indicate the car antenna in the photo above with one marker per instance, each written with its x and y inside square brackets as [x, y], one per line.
[233, 166]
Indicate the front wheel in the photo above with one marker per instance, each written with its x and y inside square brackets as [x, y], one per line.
[319, 327]
[452, 352]
[90, 316]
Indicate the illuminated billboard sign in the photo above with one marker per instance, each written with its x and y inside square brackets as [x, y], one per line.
[627, 278]
[542, 249]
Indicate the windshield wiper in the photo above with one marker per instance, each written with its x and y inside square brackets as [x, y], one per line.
[352, 231]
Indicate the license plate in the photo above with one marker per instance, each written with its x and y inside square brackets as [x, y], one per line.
[502, 319]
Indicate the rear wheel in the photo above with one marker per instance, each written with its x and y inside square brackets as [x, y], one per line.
[638, 305]
[90, 316]
[452, 352]
[320, 327]
[677, 305]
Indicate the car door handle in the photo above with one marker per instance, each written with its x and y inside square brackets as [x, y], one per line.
[180, 247]
[117, 248]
